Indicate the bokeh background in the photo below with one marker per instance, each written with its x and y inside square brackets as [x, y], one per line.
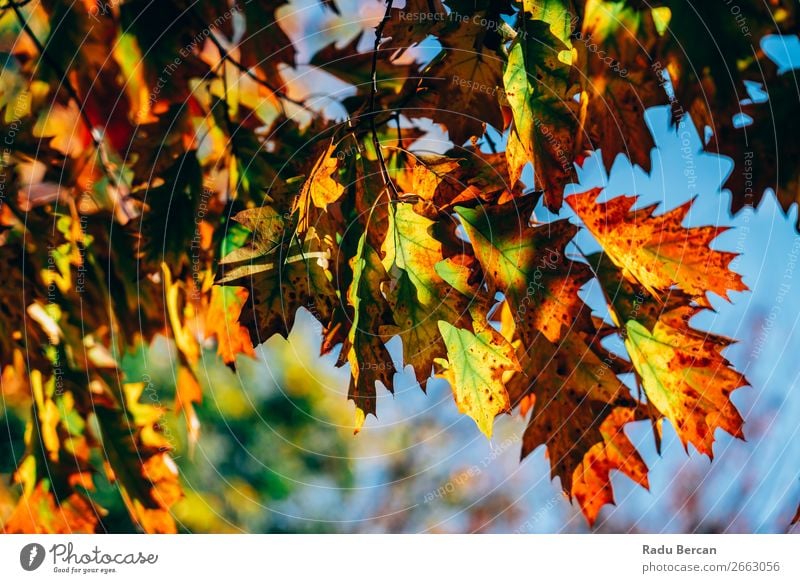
[277, 451]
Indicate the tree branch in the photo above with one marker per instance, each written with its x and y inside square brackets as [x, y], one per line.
[246, 70]
[387, 180]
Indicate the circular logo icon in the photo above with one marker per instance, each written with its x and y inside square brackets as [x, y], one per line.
[31, 556]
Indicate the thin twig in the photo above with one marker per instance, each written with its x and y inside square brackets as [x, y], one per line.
[387, 180]
[247, 71]
[490, 141]
[12, 4]
[399, 130]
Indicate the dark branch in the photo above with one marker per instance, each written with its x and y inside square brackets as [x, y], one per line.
[387, 180]
[246, 70]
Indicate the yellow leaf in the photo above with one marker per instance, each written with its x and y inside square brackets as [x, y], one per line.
[320, 188]
[475, 367]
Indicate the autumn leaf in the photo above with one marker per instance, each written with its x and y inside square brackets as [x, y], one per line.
[135, 131]
[592, 479]
[222, 323]
[529, 265]
[656, 250]
[567, 378]
[405, 28]
[620, 83]
[264, 36]
[56, 475]
[40, 513]
[629, 300]
[465, 76]
[266, 227]
[320, 189]
[282, 282]
[166, 225]
[139, 459]
[556, 13]
[615, 120]
[763, 148]
[574, 388]
[442, 182]
[475, 366]
[717, 86]
[369, 359]
[420, 298]
[352, 66]
[682, 371]
[540, 87]
[686, 378]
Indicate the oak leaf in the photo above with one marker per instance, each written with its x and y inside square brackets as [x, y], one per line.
[320, 189]
[369, 359]
[592, 480]
[574, 389]
[685, 376]
[620, 82]
[540, 87]
[465, 77]
[529, 265]
[657, 250]
[442, 182]
[420, 298]
[475, 367]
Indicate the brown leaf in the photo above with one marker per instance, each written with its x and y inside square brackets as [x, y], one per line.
[442, 182]
[459, 88]
[369, 359]
[419, 297]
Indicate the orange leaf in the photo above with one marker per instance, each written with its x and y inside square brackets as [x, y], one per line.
[592, 481]
[40, 513]
[657, 251]
[222, 322]
[685, 376]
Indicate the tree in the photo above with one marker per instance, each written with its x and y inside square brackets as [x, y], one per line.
[163, 174]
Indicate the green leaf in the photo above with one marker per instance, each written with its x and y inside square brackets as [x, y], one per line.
[529, 265]
[420, 298]
[475, 366]
[540, 88]
[369, 359]
[685, 376]
[556, 13]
